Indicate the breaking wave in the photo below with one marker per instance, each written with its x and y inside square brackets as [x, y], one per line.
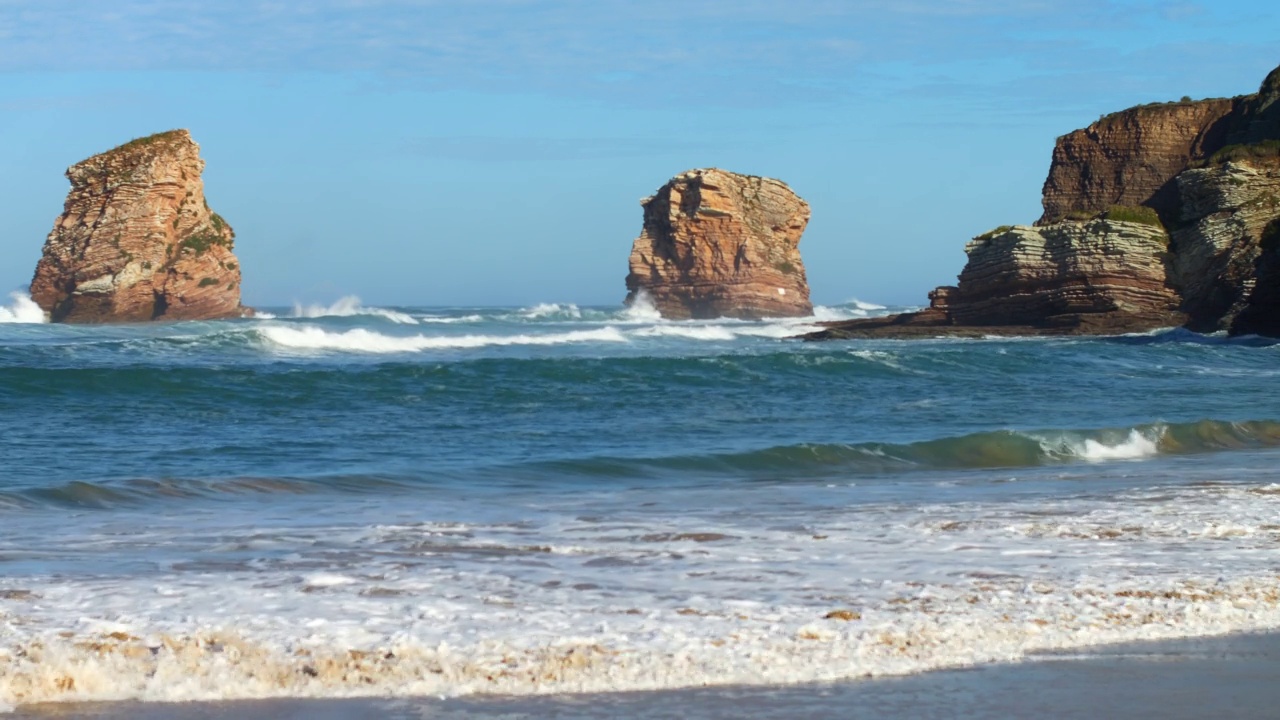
[349, 306]
[552, 311]
[360, 340]
[21, 309]
[998, 449]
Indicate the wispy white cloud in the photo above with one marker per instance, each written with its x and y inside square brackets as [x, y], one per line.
[699, 51]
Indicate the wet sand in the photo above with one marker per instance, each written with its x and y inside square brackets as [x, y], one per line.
[1235, 676]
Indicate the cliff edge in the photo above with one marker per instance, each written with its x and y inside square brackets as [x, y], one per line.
[136, 240]
[720, 244]
[1158, 216]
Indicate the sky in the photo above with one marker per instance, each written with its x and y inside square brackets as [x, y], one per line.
[494, 152]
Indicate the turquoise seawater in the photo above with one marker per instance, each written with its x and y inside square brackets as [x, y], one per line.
[344, 500]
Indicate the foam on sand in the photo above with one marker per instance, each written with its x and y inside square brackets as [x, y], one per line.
[660, 601]
[21, 309]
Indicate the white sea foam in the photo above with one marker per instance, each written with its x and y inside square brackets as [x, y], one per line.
[633, 598]
[690, 332]
[21, 309]
[642, 309]
[446, 320]
[557, 311]
[1134, 447]
[823, 313]
[349, 306]
[309, 337]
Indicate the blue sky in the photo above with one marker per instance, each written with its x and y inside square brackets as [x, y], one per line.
[494, 151]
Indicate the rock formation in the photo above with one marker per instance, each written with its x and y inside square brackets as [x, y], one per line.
[1130, 158]
[1258, 118]
[1101, 259]
[719, 244]
[1217, 246]
[1261, 316]
[1072, 275]
[137, 241]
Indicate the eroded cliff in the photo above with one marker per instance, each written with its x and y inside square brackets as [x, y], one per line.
[136, 240]
[720, 244]
[1217, 246]
[1131, 158]
[1160, 215]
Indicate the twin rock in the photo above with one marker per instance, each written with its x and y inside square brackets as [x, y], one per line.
[1160, 215]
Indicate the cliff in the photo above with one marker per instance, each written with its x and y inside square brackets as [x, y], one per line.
[1130, 158]
[720, 244]
[136, 240]
[1217, 247]
[1161, 215]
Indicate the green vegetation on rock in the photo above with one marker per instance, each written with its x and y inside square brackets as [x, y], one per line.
[1134, 214]
[149, 141]
[201, 242]
[993, 233]
[1263, 150]
[206, 282]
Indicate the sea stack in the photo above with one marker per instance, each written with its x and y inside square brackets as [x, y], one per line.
[136, 240]
[720, 244]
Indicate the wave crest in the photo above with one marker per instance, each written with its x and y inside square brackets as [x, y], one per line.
[309, 337]
[349, 306]
[21, 309]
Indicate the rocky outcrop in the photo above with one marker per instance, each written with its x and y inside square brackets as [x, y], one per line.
[1101, 260]
[1101, 274]
[1217, 247]
[1261, 315]
[136, 240]
[1258, 118]
[720, 244]
[1131, 158]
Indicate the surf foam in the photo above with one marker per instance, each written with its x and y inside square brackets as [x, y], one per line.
[21, 309]
[649, 599]
[349, 306]
[1135, 447]
[309, 337]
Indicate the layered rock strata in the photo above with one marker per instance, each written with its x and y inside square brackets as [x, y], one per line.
[136, 240]
[1132, 157]
[720, 244]
[1217, 246]
[1101, 259]
[1070, 275]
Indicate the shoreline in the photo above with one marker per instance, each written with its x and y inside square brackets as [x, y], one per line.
[1225, 676]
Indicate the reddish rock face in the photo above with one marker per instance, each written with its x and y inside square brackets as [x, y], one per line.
[1131, 158]
[137, 241]
[1100, 262]
[719, 244]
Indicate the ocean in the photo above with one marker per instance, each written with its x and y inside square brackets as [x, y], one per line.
[348, 501]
